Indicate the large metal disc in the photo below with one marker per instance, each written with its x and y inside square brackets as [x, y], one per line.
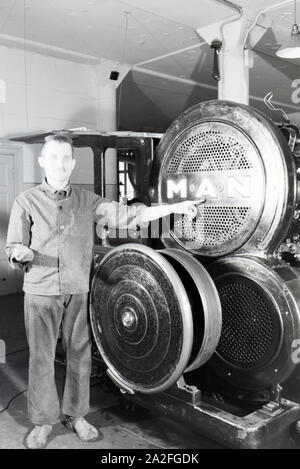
[205, 304]
[141, 319]
[240, 162]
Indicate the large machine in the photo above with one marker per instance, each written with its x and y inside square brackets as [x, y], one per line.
[207, 329]
[200, 319]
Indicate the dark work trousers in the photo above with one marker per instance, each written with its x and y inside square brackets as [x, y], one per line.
[43, 317]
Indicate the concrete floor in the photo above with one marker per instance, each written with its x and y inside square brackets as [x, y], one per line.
[121, 427]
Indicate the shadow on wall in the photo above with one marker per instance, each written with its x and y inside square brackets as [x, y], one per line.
[136, 111]
[148, 103]
[203, 93]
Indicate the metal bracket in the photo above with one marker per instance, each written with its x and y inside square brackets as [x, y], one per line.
[185, 392]
[293, 135]
[274, 405]
[216, 45]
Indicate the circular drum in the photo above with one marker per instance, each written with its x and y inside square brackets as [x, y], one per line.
[260, 313]
[141, 319]
[235, 158]
[205, 305]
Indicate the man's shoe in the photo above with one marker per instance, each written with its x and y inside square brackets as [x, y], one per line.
[37, 438]
[84, 430]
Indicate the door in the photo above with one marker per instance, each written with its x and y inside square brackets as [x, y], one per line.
[8, 277]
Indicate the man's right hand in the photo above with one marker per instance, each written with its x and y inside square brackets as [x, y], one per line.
[22, 254]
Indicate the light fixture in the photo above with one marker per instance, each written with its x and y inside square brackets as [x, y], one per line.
[292, 49]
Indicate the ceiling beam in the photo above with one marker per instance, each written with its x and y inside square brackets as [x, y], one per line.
[170, 54]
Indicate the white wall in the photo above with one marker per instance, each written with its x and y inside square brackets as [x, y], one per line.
[46, 93]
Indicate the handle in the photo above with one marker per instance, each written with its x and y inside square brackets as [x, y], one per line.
[216, 45]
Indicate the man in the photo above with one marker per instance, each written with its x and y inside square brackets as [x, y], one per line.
[50, 234]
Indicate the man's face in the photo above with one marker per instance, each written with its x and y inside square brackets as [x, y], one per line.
[57, 161]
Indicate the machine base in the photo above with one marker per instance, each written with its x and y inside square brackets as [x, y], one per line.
[271, 426]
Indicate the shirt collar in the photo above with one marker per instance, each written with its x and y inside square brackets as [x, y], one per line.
[47, 188]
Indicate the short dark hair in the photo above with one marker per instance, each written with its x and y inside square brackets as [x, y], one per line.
[60, 138]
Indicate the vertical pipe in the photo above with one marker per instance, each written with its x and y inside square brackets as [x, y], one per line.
[108, 123]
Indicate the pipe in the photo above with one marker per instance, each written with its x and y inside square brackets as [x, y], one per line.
[170, 54]
[264, 10]
[167, 77]
[240, 9]
[231, 5]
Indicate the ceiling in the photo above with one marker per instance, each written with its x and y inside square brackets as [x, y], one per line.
[155, 36]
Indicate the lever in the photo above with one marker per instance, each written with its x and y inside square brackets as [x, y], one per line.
[216, 45]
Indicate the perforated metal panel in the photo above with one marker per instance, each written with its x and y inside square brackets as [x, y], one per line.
[219, 162]
[251, 324]
[209, 151]
[260, 321]
[213, 226]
